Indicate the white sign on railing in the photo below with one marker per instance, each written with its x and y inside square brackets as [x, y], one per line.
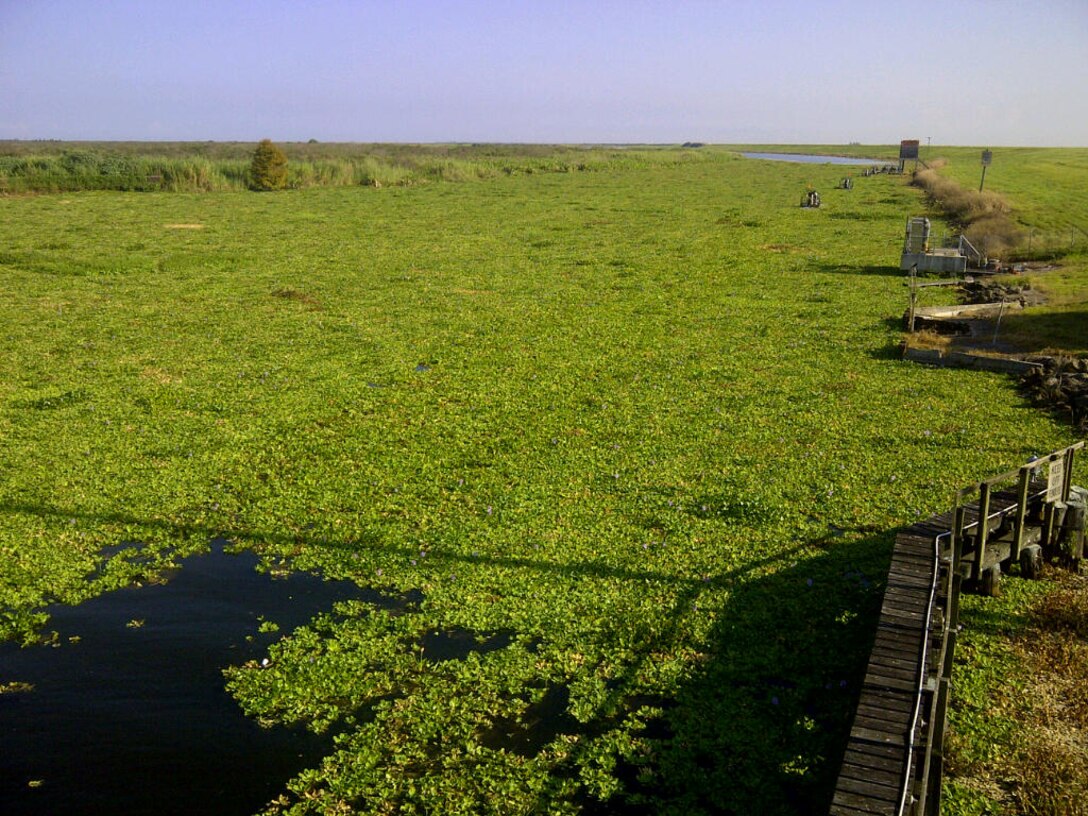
[1055, 482]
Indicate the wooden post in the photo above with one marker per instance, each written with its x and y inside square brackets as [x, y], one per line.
[959, 519]
[997, 325]
[937, 733]
[1021, 512]
[1068, 472]
[954, 607]
[913, 298]
[1047, 535]
[982, 531]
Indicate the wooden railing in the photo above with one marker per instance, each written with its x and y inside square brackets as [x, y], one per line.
[895, 755]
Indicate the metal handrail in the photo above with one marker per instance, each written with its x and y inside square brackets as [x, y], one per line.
[973, 252]
[912, 724]
[1024, 497]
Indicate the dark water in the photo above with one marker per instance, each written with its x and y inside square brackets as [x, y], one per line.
[807, 158]
[135, 720]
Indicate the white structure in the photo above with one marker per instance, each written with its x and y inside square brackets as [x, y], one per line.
[918, 252]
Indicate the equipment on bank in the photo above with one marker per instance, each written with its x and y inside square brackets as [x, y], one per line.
[918, 252]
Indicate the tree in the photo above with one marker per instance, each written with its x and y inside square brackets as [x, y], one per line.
[268, 170]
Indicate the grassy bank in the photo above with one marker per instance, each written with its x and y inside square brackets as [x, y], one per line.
[641, 437]
[1033, 209]
[1020, 722]
[223, 166]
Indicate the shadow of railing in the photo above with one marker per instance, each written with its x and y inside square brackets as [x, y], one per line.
[776, 650]
[761, 724]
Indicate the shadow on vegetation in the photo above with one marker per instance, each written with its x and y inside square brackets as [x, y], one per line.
[893, 349]
[855, 269]
[888, 351]
[1035, 331]
[760, 723]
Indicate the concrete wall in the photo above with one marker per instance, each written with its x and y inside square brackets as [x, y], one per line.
[959, 359]
[927, 262]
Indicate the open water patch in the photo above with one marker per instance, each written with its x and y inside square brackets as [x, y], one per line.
[809, 158]
[457, 644]
[126, 710]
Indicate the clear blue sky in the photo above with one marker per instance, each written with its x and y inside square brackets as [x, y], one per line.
[977, 72]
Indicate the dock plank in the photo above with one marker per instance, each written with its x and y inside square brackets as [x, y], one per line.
[912, 615]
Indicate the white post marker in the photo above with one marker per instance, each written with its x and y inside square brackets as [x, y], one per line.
[1055, 481]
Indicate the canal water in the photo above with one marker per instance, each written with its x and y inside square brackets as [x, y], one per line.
[807, 158]
[127, 712]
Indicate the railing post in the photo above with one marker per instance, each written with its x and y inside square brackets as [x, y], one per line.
[982, 531]
[955, 578]
[1021, 512]
[1068, 472]
[937, 732]
[939, 713]
[913, 298]
[1047, 534]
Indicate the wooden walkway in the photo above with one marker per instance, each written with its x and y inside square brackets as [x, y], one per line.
[894, 757]
[887, 762]
[875, 773]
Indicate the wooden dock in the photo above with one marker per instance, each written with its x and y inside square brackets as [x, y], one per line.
[894, 758]
[877, 763]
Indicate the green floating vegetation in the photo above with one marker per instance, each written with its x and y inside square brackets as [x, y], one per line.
[639, 439]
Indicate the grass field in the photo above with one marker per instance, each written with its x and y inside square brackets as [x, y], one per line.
[642, 433]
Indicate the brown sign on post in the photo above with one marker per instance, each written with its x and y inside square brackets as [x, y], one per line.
[987, 157]
[908, 149]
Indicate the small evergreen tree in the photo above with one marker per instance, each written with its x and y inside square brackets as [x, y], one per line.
[268, 170]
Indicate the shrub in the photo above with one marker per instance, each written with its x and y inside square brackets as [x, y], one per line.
[984, 216]
[268, 170]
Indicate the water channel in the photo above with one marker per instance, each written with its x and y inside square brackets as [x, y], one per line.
[808, 158]
[127, 713]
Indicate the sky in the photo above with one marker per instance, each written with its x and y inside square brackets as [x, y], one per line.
[957, 72]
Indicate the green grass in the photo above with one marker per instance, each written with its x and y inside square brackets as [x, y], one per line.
[644, 431]
[989, 699]
[1048, 187]
[48, 166]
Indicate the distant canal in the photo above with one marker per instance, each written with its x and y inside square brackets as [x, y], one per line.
[808, 158]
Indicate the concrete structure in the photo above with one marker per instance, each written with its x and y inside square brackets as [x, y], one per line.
[918, 253]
